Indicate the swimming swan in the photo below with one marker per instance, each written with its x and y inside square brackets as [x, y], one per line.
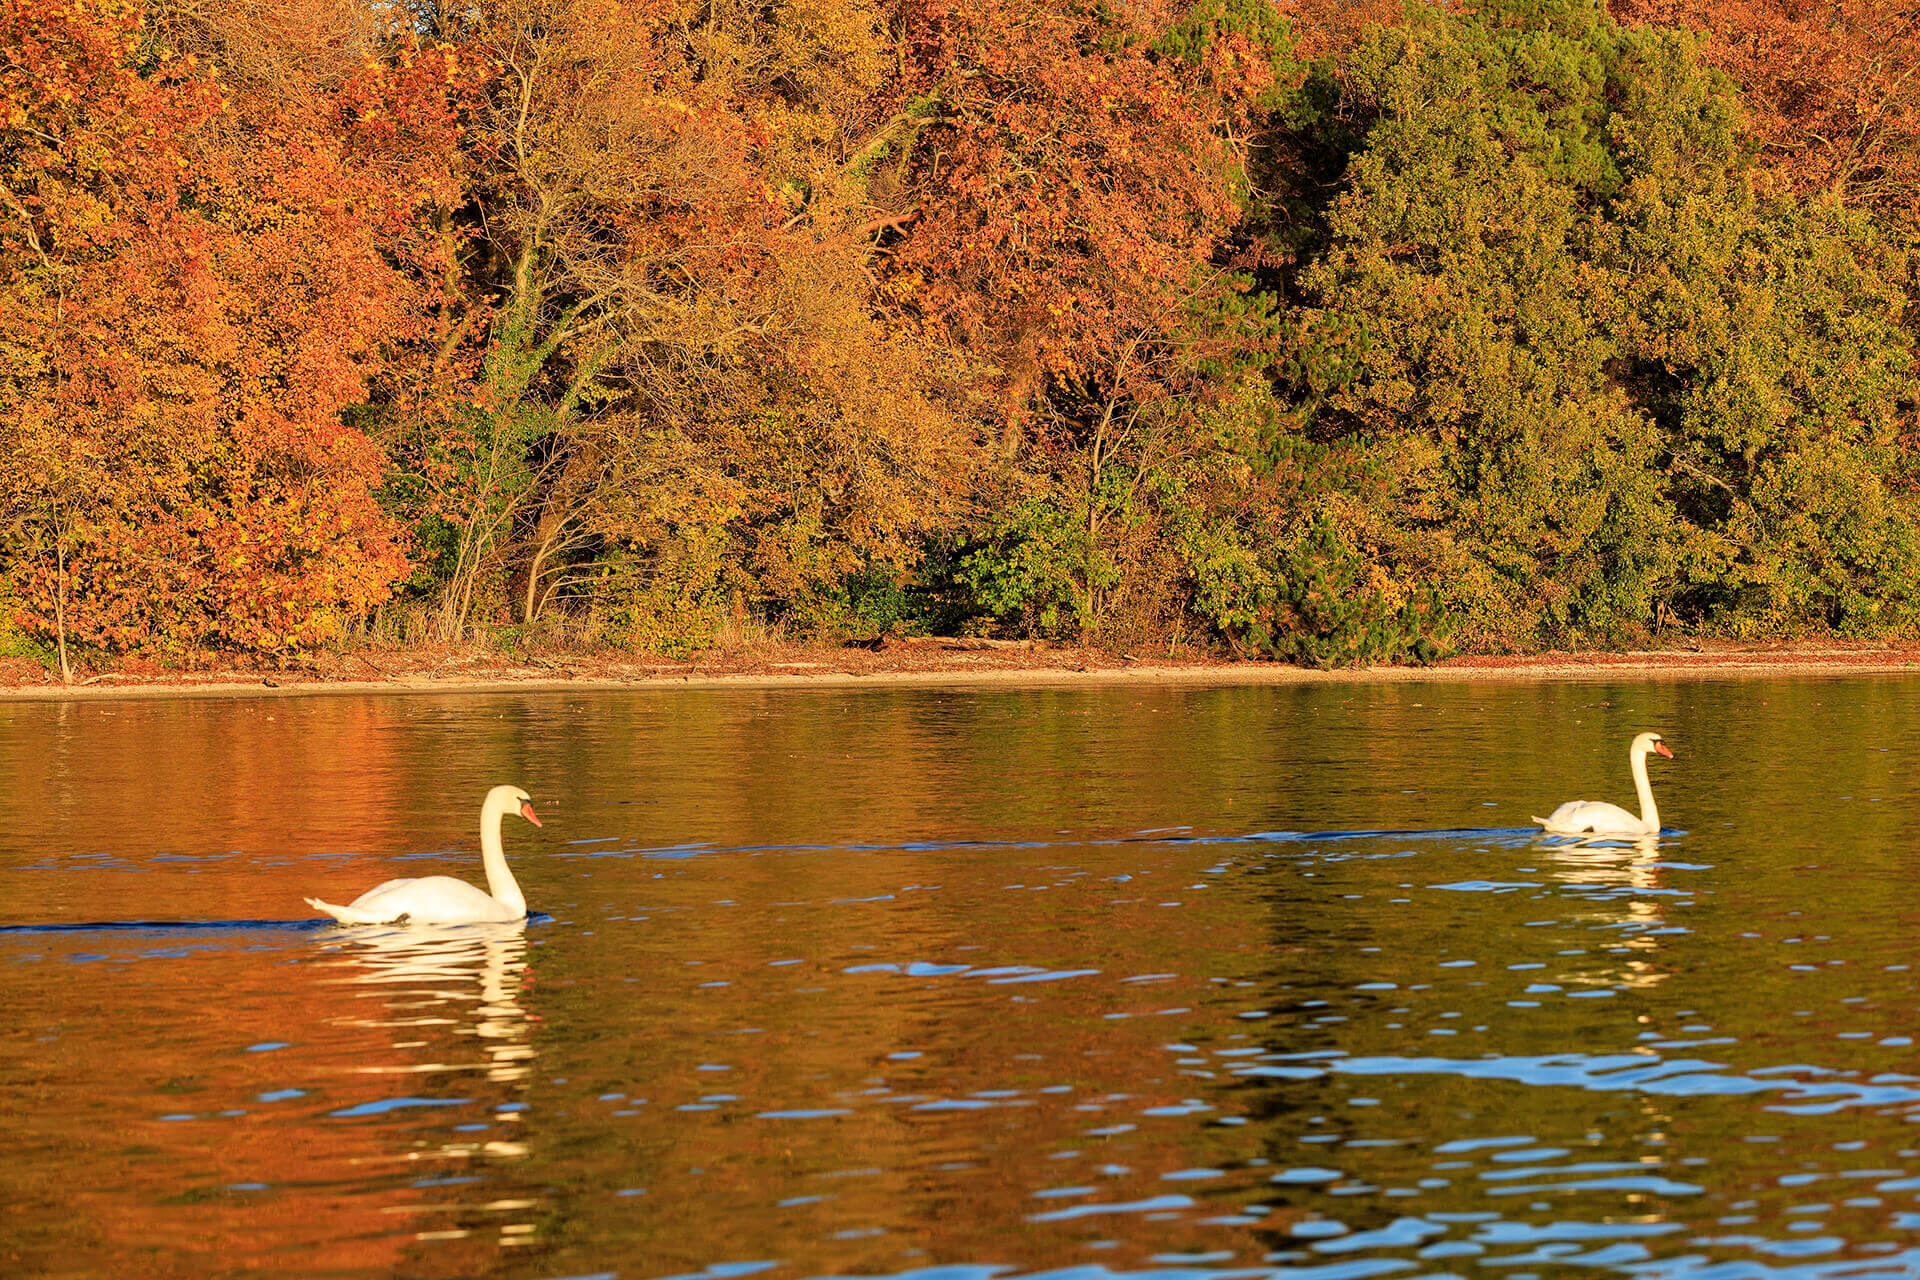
[442, 899]
[1596, 817]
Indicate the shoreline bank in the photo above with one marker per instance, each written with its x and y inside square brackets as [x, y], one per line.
[959, 667]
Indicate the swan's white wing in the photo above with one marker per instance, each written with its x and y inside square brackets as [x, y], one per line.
[380, 890]
[1591, 817]
[1561, 816]
[434, 900]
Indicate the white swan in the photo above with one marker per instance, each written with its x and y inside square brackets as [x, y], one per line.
[1596, 817]
[442, 899]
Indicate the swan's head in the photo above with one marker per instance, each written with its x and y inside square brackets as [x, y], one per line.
[1651, 742]
[506, 799]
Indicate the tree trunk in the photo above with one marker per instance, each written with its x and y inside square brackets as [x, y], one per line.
[60, 611]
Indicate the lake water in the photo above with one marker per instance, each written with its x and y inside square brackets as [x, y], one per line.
[961, 984]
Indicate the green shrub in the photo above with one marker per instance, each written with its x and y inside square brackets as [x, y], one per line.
[1034, 569]
[1313, 599]
[15, 643]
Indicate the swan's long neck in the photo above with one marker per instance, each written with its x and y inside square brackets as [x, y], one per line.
[1649, 813]
[500, 881]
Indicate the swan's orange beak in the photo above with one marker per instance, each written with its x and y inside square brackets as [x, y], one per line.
[526, 811]
[1661, 747]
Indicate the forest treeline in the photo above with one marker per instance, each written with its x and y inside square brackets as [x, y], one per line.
[1325, 332]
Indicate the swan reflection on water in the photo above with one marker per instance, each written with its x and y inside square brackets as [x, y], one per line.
[446, 1005]
[1606, 861]
[467, 979]
[1620, 880]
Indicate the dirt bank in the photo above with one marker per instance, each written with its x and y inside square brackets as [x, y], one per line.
[915, 662]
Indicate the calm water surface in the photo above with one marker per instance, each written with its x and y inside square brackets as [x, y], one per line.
[969, 984]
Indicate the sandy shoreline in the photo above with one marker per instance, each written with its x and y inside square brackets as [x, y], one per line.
[933, 667]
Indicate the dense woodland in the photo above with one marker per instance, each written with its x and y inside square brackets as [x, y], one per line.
[1326, 332]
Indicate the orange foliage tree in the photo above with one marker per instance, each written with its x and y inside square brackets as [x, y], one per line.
[1830, 87]
[1067, 185]
[1070, 174]
[192, 298]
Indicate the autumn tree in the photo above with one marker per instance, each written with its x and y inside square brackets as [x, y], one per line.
[683, 391]
[1505, 322]
[1064, 181]
[193, 299]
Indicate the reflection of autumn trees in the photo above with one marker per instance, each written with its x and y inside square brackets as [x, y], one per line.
[249, 1138]
[662, 969]
[949, 1092]
[132, 780]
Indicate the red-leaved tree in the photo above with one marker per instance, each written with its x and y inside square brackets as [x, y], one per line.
[193, 293]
